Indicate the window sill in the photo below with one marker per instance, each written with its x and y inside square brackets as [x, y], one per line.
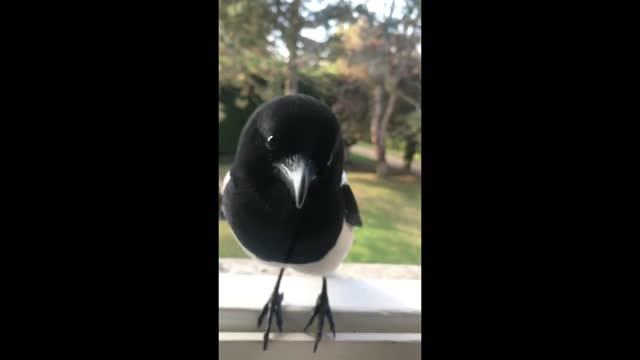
[376, 318]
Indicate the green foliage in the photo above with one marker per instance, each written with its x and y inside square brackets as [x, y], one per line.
[244, 51]
[407, 126]
[340, 72]
[347, 96]
[235, 118]
[221, 114]
[352, 109]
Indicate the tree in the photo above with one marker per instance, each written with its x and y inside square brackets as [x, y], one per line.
[347, 95]
[390, 50]
[351, 105]
[399, 57]
[344, 83]
[368, 70]
[290, 18]
[244, 50]
[408, 128]
[250, 32]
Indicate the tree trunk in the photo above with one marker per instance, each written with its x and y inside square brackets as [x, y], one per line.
[291, 86]
[291, 39]
[409, 153]
[377, 112]
[382, 168]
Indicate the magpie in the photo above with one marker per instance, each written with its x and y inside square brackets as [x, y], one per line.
[287, 200]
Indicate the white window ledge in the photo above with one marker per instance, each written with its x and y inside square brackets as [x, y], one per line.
[300, 346]
[375, 319]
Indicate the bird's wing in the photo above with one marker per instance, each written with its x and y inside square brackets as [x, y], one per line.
[227, 177]
[352, 215]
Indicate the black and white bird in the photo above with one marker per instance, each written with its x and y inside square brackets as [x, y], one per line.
[287, 199]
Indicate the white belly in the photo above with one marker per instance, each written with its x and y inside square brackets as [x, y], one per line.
[328, 264]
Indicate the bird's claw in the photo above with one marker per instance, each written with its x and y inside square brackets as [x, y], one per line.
[271, 309]
[321, 310]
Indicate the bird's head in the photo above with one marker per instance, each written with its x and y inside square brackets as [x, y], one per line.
[293, 139]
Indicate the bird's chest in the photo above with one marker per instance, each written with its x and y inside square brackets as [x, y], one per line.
[270, 227]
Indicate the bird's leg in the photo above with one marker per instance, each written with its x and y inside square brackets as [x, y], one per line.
[273, 306]
[322, 310]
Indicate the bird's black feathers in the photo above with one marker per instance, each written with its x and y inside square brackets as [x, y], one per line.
[258, 204]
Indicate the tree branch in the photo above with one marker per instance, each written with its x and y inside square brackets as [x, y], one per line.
[279, 14]
[393, 6]
[279, 11]
[410, 100]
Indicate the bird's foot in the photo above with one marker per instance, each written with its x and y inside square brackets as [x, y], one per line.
[272, 309]
[321, 311]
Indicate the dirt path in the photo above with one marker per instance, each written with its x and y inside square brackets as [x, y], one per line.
[392, 159]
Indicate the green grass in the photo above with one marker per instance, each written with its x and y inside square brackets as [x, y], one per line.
[362, 160]
[395, 152]
[390, 210]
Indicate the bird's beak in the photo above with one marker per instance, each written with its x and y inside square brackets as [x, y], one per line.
[297, 173]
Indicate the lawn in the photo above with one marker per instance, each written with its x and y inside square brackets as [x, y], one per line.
[390, 210]
[390, 150]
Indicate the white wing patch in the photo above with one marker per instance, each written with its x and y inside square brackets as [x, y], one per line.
[344, 179]
[225, 181]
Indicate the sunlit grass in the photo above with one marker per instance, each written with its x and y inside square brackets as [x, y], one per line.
[390, 210]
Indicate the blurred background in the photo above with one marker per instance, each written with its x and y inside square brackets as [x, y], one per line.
[362, 59]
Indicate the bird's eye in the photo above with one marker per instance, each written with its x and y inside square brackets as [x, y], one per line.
[271, 143]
